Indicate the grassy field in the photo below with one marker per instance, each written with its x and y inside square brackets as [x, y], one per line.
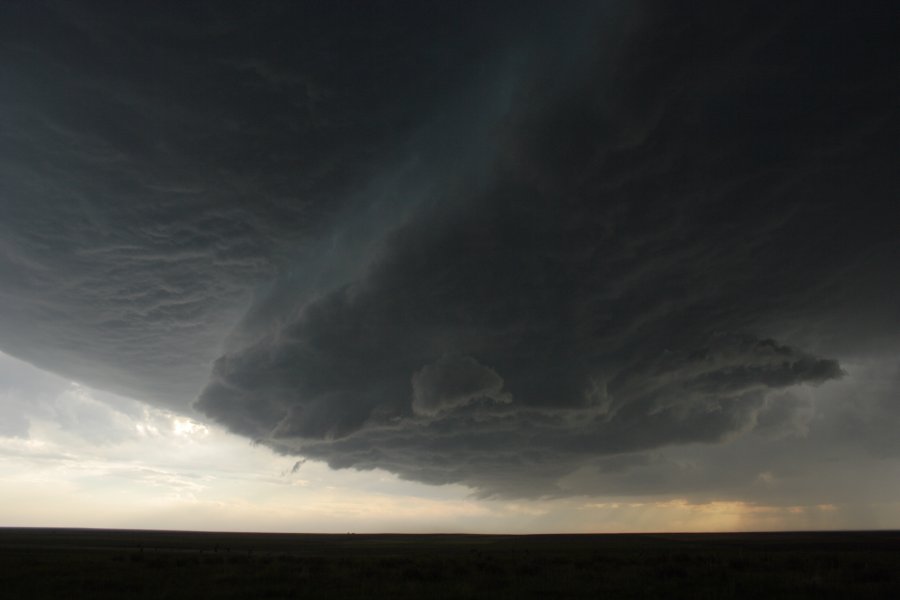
[72, 564]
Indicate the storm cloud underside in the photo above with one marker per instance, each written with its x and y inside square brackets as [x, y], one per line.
[525, 253]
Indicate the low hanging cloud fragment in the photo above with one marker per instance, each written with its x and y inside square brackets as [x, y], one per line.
[452, 382]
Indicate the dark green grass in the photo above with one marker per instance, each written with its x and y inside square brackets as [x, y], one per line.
[73, 564]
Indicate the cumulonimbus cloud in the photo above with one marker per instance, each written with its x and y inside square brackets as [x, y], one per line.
[456, 245]
[614, 280]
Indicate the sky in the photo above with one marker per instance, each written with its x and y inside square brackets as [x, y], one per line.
[462, 266]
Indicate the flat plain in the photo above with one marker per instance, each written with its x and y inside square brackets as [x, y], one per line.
[100, 564]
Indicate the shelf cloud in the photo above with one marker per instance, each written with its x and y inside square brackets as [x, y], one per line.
[530, 250]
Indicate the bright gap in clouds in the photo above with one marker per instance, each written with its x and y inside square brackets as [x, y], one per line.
[91, 459]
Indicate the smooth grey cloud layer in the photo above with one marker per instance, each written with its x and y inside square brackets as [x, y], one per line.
[529, 253]
[28, 395]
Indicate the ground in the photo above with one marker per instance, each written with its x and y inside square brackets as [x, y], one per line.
[99, 564]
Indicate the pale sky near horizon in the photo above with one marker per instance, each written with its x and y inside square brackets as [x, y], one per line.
[96, 460]
[587, 266]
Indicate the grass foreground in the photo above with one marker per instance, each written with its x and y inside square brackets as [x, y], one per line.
[100, 564]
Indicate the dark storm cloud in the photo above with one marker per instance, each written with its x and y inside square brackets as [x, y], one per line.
[452, 382]
[613, 280]
[525, 253]
[159, 163]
